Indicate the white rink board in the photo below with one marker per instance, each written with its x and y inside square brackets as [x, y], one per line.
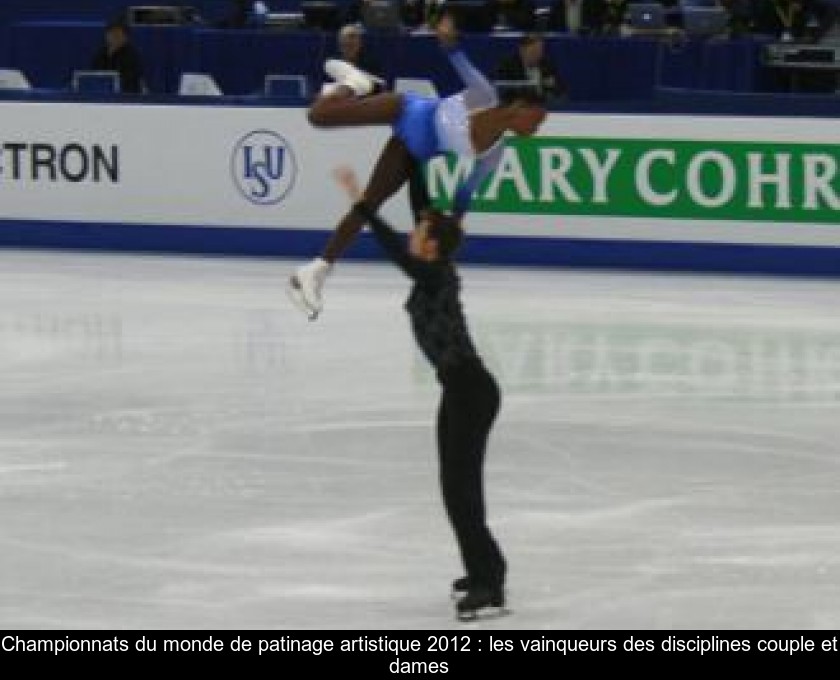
[184, 166]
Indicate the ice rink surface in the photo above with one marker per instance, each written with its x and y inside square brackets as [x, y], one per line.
[180, 449]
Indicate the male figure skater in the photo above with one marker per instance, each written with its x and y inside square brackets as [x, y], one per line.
[470, 396]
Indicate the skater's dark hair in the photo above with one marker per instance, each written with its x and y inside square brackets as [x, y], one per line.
[446, 230]
[520, 92]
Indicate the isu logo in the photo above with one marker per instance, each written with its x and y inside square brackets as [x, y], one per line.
[263, 167]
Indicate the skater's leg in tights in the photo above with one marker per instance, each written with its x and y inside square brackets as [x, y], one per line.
[344, 109]
[392, 170]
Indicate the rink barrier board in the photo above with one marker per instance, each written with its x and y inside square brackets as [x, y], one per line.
[480, 250]
[670, 192]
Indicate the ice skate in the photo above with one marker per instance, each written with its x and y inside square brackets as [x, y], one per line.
[344, 73]
[305, 285]
[460, 586]
[481, 602]
[329, 89]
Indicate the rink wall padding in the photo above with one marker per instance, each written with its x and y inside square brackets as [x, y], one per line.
[704, 193]
[483, 250]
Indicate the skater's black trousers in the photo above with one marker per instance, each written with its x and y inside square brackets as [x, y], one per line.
[468, 407]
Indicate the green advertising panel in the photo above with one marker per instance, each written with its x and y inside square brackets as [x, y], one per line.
[707, 180]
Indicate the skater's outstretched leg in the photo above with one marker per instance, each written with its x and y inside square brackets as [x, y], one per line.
[343, 108]
[392, 170]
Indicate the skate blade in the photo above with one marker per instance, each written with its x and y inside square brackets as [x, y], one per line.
[457, 594]
[296, 296]
[483, 614]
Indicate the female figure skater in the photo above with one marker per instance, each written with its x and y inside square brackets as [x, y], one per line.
[470, 398]
[471, 123]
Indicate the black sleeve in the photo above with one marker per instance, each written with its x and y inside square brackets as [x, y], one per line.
[100, 59]
[132, 71]
[394, 246]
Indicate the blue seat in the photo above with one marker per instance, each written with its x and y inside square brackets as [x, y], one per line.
[286, 86]
[96, 82]
[13, 79]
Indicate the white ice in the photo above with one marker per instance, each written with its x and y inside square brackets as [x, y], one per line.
[181, 449]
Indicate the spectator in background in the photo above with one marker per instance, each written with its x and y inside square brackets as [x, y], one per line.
[530, 63]
[516, 14]
[119, 54]
[615, 16]
[581, 17]
[240, 14]
[246, 14]
[783, 19]
[795, 21]
[422, 13]
[740, 13]
[355, 11]
[351, 48]
[413, 13]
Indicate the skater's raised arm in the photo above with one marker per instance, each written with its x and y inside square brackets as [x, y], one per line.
[479, 93]
[389, 239]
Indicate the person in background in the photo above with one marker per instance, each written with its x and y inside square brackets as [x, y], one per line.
[800, 21]
[119, 54]
[239, 14]
[740, 14]
[354, 12]
[352, 49]
[791, 20]
[579, 17]
[530, 63]
[518, 15]
[615, 12]
[782, 19]
[421, 14]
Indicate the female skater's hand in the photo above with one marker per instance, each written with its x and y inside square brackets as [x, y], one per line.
[446, 32]
[347, 179]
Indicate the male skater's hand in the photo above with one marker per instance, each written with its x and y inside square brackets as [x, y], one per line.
[347, 179]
